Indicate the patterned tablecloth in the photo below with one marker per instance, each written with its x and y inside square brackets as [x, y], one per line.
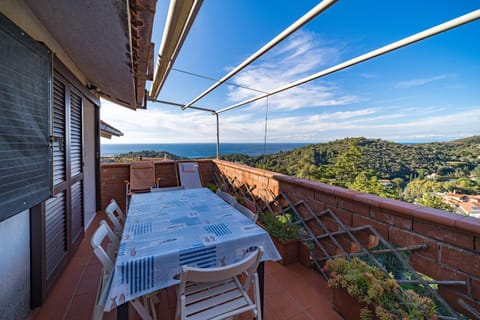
[165, 230]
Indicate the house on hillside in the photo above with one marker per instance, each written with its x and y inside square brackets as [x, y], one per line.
[57, 59]
[469, 209]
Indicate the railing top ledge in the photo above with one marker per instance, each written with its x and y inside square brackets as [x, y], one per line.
[467, 224]
[257, 171]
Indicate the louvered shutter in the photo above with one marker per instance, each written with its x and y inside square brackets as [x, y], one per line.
[55, 232]
[76, 153]
[58, 131]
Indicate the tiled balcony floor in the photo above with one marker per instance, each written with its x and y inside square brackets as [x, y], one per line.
[291, 293]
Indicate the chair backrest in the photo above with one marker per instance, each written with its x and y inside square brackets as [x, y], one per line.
[248, 266]
[225, 196]
[116, 216]
[142, 176]
[103, 231]
[189, 175]
[246, 212]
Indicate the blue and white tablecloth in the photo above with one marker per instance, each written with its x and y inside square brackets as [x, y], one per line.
[165, 230]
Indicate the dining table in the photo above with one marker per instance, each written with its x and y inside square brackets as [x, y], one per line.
[166, 230]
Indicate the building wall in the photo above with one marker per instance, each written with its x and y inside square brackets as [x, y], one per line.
[19, 12]
[89, 162]
[15, 267]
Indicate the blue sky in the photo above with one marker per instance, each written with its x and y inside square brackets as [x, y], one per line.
[428, 91]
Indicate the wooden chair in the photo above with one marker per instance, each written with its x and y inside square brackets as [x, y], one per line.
[217, 293]
[116, 216]
[246, 212]
[144, 306]
[142, 179]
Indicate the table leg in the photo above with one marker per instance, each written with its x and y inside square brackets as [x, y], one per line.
[122, 311]
[261, 280]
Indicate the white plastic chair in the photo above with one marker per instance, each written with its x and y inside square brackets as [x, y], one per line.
[226, 197]
[246, 212]
[116, 216]
[189, 175]
[217, 293]
[145, 306]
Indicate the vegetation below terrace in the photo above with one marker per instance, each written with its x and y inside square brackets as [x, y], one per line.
[408, 172]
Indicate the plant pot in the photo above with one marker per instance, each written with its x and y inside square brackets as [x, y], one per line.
[288, 249]
[347, 306]
[304, 254]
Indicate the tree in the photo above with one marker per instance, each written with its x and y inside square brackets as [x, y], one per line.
[349, 164]
[433, 201]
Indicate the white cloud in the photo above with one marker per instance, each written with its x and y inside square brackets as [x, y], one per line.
[301, 55]
[158, 124]
[421, 82]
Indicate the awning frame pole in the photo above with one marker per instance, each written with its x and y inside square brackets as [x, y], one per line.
[469, 17]
[315, 11]
[218, 136]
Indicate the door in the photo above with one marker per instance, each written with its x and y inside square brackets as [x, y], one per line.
[64, 211]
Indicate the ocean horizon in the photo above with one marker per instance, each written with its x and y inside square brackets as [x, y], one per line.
[201, 150]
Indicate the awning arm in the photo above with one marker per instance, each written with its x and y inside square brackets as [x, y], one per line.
[107, 131]
[319, 8]
[181, 105]
[181, 15]
[469, 17]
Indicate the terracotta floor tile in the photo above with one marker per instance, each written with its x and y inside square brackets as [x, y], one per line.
[292, 292]
[82, 304]
[300, 316]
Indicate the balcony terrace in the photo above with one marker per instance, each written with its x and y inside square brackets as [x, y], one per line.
[296, 292]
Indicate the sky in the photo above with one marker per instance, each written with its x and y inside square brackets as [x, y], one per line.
[428, 91]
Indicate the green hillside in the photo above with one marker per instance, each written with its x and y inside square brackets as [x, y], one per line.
[363, 164]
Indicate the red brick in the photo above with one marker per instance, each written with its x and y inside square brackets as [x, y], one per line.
[316, 206]
[452, 296]
[344, 216]
[462, 260]
[406, 238]
[359, 221]
[315, 228]
[354, 207]
[443, 233]
[475, 287]
[389, 217]
[303, 194]
[329, 223]
[437, 272]
[325, 198]
[477, 243]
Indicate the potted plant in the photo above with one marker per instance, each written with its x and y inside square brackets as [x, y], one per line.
[362, 291]
[284, 233]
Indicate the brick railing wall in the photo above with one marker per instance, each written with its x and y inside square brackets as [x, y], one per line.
[113, 176]
[453, 241]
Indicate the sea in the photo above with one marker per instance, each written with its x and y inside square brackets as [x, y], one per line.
[201, 150]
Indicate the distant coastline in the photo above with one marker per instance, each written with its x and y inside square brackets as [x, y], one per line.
[202, 150]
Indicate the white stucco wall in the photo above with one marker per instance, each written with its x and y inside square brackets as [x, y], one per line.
[15, 267]
[89, 161]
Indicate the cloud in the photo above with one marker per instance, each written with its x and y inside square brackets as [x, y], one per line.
[421, 82]
[158, 124]
[300, 56]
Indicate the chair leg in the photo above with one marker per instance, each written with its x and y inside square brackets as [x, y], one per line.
[141, 309]
[258, 301]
